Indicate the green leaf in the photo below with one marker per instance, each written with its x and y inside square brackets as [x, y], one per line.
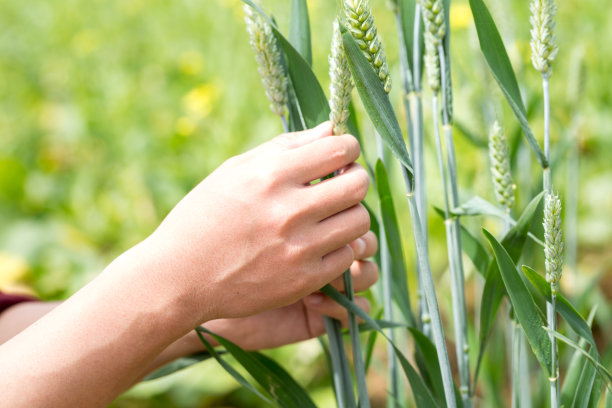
[311, 98]
[283, 389]
[600, 368]
[563, 306]
[471, 136]
[493, 292]
[178, 365]
[496, 56]
[369, 349]
[584, 387]
[406, 12]
[375, 228]
[608, 399]
[299, 29]
[431, 364]
[475, 251]
[575, 371]
[376, 101]
[524, 306]
[479, 206]
[353, 129]
[394, 242]
[420, 391]
[231, 370]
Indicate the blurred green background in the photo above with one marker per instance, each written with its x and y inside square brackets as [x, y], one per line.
[110, 111]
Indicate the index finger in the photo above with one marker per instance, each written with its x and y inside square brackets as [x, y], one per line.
[321, 157]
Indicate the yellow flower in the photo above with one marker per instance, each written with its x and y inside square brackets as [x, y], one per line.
[199, 101]
[460, 16]
[12, 272]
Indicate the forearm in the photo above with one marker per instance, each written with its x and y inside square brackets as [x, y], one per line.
[89, 349]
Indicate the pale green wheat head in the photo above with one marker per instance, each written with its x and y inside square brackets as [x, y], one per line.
[434, 19]
[543, 47]
[553, 237]
[341, 83]
[500, 167]
[268, 58]
[432, 62]
[361, 26]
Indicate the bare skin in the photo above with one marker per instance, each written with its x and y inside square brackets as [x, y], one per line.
[244, 253]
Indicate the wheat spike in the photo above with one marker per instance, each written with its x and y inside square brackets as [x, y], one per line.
[543, 47]
[268, 58]
[361, 26]
[553, 237]
[341, 83]
[500, 167]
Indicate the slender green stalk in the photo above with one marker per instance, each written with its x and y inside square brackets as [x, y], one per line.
[434, 21]
[285, 124]
[516, 358]
[547, 182]
[543, 53]
[362, 389]
[387, 282]
[340, 98]
[341, 375]
[419, 157]
[458, 284]
[430, 297]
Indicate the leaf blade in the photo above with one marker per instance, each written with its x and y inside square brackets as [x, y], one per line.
[393, 236]
[496, 56]
[299, 29]
[524, 306]
[376, 101]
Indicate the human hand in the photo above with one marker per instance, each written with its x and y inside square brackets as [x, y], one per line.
[256, 235]
[303, 319]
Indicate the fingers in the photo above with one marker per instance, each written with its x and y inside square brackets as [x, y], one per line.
[365, 246]
[340, 229]
[338, 193]
[322, 305]
[321, 157]
[288, 141]
[363, 273]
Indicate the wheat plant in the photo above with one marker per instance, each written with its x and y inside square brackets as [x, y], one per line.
[358, 59]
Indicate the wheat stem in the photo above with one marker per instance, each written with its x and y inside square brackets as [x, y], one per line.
[430, 297]
[283, 119]
[455, 257]
[419, 158]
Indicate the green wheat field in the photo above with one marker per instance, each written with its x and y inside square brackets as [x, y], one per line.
[111, 111]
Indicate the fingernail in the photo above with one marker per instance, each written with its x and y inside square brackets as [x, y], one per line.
[360, 247]
[315, 298]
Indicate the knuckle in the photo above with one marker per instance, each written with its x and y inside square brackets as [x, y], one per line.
[363, 182]
[363, 219]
